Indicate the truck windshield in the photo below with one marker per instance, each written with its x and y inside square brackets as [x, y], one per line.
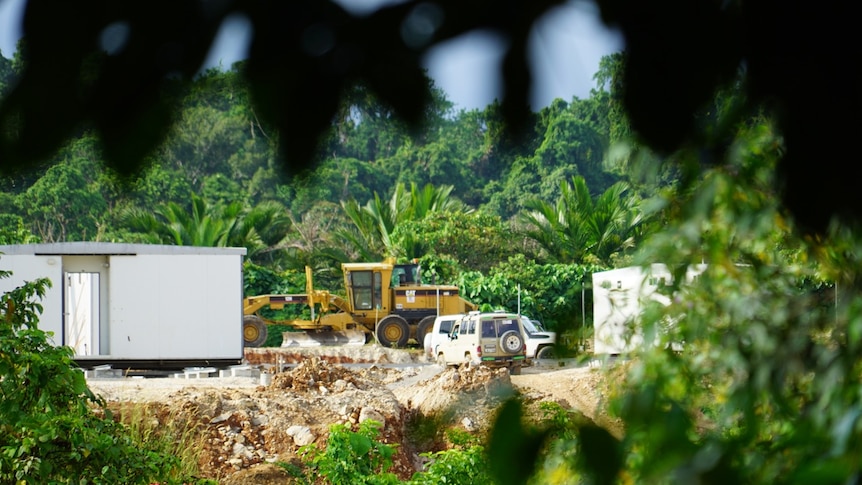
[530, 326]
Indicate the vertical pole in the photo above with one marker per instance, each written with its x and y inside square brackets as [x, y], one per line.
[583, 342]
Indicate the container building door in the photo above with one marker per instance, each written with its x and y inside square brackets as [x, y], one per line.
[81, 329]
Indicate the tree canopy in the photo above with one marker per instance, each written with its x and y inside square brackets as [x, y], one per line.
[728, 127]
[305, 57]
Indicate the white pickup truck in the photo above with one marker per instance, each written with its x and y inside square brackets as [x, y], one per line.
[540, 342]
[439, 332]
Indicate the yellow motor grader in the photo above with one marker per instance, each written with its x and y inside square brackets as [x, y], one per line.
[386, 300]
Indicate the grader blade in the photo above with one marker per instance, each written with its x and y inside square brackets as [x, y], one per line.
[327, 338]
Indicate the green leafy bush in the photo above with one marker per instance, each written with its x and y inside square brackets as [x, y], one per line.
[352, 457]
[555, 294]
[468, 466]
[766, 386]
[53, 429]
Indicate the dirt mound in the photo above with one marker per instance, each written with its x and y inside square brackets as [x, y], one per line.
[242, 426]
[465, 397]
[469, 385]
[245, 426]
[316, 374]
[348, 354]
[582, 389]
[264, 474]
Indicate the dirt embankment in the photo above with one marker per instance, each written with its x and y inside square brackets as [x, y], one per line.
[248, 423]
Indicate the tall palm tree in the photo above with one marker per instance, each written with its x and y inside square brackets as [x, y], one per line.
[617, 222]
[581, 229]
[172, 223]
[376, 221]
[258, 229]
[363, 238]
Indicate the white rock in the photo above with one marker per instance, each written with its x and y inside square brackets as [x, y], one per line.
[468, 424]
[371, 413]
[301, 435]
[220, 418]
[241, 451]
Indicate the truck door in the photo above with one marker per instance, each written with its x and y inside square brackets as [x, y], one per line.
[467, 338]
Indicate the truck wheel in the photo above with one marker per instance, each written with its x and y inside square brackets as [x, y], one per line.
[393, 331]
[511, 342]
[425, 326]
[253, 331]
[441, 359]
[515, 370]
[546, 352]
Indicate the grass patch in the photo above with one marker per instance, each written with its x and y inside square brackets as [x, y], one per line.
[157, 428]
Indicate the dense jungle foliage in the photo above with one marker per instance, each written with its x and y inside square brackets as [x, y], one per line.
[715, 138]
[458, 194]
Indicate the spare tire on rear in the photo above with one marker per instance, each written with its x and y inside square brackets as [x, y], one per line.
[511, 342]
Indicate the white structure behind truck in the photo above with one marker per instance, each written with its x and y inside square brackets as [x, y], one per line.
[618, 299]
[136, 305]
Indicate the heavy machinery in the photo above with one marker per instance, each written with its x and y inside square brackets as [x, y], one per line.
[386, 300]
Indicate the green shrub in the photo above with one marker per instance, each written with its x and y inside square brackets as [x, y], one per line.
[455, 466]
[53, 429]
[352, 457]
[465, 463]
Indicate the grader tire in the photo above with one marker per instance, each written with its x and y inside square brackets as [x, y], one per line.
[425, 326]
[253, 331]
[392, 331]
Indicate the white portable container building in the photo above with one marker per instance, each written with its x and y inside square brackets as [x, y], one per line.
[136, 305]
[618, 299]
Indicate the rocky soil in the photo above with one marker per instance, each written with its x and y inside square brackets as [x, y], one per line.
[249, 423]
